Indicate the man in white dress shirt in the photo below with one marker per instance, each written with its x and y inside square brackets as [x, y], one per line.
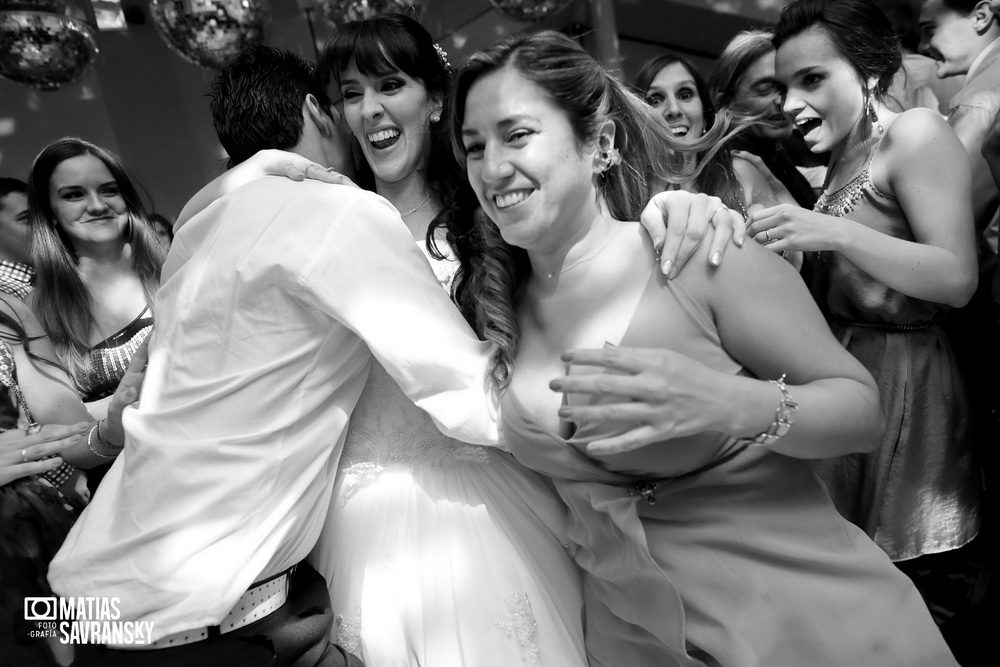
[272, 302]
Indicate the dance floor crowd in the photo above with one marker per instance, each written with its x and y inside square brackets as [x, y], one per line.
[515, 362]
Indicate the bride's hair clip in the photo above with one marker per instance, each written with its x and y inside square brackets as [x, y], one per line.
[443, 57]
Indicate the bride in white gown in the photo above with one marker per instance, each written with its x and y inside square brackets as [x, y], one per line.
[437, 553]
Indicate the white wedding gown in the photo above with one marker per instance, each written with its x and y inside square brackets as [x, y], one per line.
[443, 554]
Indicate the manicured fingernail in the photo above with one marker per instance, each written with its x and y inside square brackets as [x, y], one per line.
[82, 427]
[76, 438]
[566, 356]
[667, 266]
[739, 242]
[716, 258]
[673, 274]
[555, 385]
[565, 412]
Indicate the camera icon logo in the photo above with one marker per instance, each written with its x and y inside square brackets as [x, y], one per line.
[40, 608]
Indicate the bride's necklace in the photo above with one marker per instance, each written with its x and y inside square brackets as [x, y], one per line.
[585, 258]
[415, 208]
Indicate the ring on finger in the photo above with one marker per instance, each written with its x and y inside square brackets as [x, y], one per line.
[32, 428]
[767, 235]
[716, 211]
[24, 456]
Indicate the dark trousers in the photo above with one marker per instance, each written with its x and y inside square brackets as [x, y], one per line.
[296, 635]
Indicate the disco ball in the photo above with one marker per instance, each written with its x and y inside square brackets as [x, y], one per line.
[342, 11]
[209, 33]
[528, 10]
[55, 6]
[44, 49]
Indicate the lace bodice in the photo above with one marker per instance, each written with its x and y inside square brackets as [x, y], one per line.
[387, 429]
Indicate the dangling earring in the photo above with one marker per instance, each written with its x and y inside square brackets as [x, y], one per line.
[874, 116]
[435, 117]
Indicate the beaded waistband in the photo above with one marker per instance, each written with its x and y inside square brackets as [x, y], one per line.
[886, 326]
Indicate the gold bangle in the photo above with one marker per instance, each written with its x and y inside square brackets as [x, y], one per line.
[105, 443]
[784, 417]
[90, 444]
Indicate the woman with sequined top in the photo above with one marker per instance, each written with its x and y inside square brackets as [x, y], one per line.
[890, 247]
[98, 262]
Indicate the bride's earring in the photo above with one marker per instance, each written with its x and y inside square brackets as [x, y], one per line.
[874, 116]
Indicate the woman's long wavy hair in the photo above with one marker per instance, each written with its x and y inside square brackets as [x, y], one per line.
[493, 272]
[394, 42]
[61, 300]
[716, 176]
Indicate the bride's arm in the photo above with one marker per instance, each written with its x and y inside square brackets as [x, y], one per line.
[265, 163]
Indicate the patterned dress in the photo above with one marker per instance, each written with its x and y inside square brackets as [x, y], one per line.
[442, 553]
[918, 493]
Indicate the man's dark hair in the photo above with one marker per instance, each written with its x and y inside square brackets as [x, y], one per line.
[257, 101]
[8, 185]
[961, 7]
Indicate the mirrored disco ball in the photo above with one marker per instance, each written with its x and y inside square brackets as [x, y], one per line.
[528, 10]
[209, 33]
[56, 6]
[342, 11]
[43, 49]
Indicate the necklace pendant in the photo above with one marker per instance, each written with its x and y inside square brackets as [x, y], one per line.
[550, 275]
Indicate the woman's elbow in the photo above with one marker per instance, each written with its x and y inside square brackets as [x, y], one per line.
[963, 288]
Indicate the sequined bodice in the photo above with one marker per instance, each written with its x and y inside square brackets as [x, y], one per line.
[388, 430]
[843, 291]
[840, 202]
[106, 362]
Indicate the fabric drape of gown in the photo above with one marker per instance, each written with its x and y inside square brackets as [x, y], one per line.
[441, 553]
[742, 560]
[919, 492]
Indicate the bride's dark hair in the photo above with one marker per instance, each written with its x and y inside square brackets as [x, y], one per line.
[395, 42]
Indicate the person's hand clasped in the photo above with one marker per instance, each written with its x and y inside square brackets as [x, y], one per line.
[665, 394]
[23, 451]
[679, 221]
[785, 227]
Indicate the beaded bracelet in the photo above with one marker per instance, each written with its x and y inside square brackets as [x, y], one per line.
[105, 443]
[90, 443]
[784, 417]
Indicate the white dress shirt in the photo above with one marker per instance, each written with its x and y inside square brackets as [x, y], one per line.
[272, 302]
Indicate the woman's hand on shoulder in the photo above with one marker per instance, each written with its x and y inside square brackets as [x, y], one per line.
[24, 455]
[296, 167]
[679, 221]
[270, 162]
